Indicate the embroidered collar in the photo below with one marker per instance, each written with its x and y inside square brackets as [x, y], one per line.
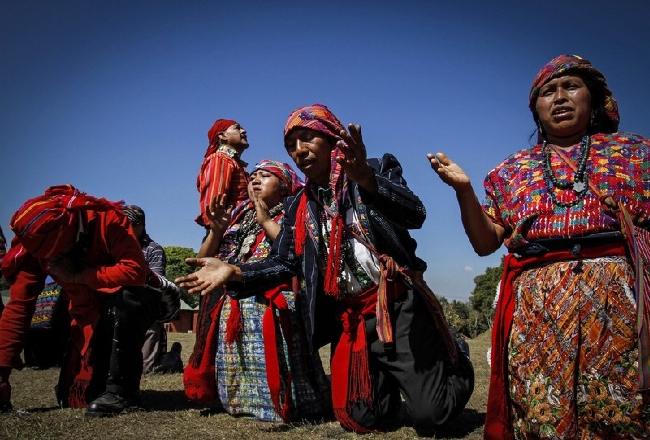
[231, 152]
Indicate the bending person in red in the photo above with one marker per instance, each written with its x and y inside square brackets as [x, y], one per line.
[87, 245]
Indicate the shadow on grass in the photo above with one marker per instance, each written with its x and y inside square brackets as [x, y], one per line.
[155, 400]
[38, 410]
[466, 423]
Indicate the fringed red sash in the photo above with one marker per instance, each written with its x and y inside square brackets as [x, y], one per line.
[498, 419]
[234, 325]
[199, 376]
[300, 231]
[76, 374]
[351, 381]
[277, 316]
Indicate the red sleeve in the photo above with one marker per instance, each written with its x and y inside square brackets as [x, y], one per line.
[27, 282]
[219, 177]
[130, 267]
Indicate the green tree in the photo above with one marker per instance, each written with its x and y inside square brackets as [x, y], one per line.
[177, 267]
[482, 298]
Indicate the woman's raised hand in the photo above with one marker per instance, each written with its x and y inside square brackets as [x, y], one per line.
[449, 172]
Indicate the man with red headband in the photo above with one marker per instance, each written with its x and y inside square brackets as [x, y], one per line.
[346, 234]
[87, 245]
[223, 173]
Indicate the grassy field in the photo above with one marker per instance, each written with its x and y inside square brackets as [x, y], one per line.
[171, 415]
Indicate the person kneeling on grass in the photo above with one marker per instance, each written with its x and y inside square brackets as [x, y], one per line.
[345, 234]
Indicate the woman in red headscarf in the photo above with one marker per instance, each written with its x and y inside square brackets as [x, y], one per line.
[570, 354]
[263, 365]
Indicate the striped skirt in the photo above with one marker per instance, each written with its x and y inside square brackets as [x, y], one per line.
[241, 370]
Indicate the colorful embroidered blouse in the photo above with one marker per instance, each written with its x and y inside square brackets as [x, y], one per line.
[517, 195]
[260, 245]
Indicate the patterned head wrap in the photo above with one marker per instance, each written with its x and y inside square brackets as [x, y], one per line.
[219, 126]
[47, 225]
[319, 118]
[282, 171]
[316, 117]
[564, 65]
[135, 214]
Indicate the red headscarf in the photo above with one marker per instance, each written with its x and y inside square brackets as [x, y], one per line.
[219, 126]
[47, 225]
[319, 118]
[563, 65]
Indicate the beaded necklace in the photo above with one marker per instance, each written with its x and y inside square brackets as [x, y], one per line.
[579, 183]
[249, 230]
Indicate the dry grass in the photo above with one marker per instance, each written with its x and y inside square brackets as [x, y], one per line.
[170, 415]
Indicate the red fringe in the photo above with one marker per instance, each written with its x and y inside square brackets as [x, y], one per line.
[234, 326]
[360, 385]
[346, 421]
[277, 317]
[350, 370]
[331, 285]
[203, 327]
[80, 382]
[199, 380]
[301, 225]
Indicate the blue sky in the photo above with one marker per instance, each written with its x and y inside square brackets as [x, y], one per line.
[116, 97]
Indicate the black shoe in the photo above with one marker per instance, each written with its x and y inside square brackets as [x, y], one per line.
[108, 405]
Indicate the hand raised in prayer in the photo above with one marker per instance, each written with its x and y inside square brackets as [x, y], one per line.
[261, 208]
[213, 274]
[218, 213]
[449, 172]
[354, 157]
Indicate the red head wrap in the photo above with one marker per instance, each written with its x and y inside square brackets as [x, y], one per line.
[564, 65]
[47, 225]
[219, 126]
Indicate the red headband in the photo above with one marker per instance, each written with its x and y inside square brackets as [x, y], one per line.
[219, 126]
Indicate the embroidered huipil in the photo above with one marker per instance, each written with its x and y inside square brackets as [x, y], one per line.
[517, 199]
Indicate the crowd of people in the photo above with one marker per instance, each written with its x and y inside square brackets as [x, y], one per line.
[288, 267]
